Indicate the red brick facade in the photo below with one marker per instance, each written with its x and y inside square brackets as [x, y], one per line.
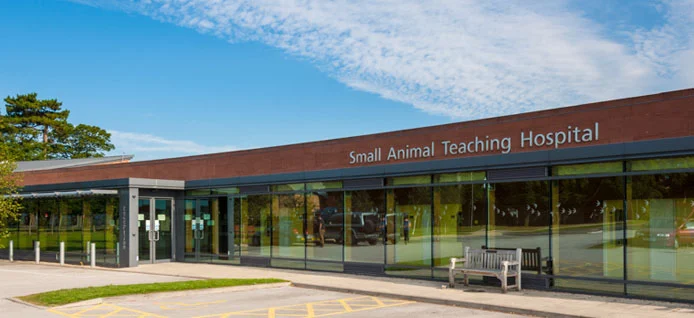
[665, 115]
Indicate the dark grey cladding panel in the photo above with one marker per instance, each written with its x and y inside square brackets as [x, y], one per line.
[100, 184]
[254, 189]
[517, 173]
[670, 145]
[363, 183]
[580, 154]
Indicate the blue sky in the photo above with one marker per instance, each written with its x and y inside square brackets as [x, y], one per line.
[173, 78]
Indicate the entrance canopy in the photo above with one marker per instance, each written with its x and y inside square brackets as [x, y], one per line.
[77, 193]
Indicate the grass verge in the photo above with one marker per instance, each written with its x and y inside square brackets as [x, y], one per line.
[67, 296]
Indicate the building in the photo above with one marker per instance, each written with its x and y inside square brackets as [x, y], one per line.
[604, 190]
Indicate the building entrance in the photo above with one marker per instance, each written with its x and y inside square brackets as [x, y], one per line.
[210, 235]
[154, 223]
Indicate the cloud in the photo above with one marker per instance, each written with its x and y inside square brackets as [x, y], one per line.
[146, 146]
[463, 59]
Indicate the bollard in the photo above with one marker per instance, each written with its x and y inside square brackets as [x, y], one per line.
[37, 251]
[93, 254]
[11, 251]
[62, 253]
[89, 254]
[117, 254]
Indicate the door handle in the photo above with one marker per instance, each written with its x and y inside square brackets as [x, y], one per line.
[156, 236]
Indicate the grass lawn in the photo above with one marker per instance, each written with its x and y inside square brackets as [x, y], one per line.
[67, 296]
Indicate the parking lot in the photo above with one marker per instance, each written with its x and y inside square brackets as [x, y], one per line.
[267, 302]
[278, 301]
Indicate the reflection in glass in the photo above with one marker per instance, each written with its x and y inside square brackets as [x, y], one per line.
[323, 207]
[256, 230]
[460, 219]
[144, 228]
[661, 232]
[410, 225]
[588, 229]
[188, 219]
[519, 215]
[362, 228]
[288, 233]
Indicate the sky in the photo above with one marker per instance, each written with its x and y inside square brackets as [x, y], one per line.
[172, 78]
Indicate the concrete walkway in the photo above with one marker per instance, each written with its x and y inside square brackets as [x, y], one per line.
[528, 302]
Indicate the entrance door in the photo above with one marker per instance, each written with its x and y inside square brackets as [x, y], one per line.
[209, 230]
[154, 227]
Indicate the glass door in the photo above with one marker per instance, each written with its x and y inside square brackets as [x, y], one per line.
[161, 237]
[154, 228]
[210, 235]
[144, 227]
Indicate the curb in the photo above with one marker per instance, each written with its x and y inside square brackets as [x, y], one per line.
[438, 301]
[21, 302]
[203, 291]
[90, 302]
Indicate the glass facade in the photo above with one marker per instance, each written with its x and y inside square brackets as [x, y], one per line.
[620, 227]
[609, 227]
[77, 221]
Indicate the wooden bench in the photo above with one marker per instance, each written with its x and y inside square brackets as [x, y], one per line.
[496, 263]
[531, 258]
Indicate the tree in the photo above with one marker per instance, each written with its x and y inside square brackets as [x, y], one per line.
[9, 206]
[38, 129]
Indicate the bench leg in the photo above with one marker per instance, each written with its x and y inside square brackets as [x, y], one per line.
[466, 280]
[504, 283]
[518, 281]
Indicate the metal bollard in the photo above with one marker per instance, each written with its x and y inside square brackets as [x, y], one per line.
[89, 254]
[37, 251]
[11, 251]
[93, 254]
[62, 253]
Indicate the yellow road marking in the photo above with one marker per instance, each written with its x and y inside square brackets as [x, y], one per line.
[344, 304]
[104, 310]
[180, 305]
[317, 309]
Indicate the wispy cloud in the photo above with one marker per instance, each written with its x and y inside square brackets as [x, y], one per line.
[146, 146]
[463, 59]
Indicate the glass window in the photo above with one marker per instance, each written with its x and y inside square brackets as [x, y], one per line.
[288, 233]
[409, 229]
[588, 231]
[460, 219]
[48, 217]
[363, 227]
[324, 208]
[589, 168]
[460, 177]
[103, 228]
[426, 179]
[660, 232]
[519, 214]
[225, 191]
[71, 211]
[661, 164]
[256, 228]
[198, 192]
[324, 185]
[27, 230]
[288, 187]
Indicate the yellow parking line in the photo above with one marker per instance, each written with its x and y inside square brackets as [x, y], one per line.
[346, 306]
[181, 305]
[317, 309]
[105, 310]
